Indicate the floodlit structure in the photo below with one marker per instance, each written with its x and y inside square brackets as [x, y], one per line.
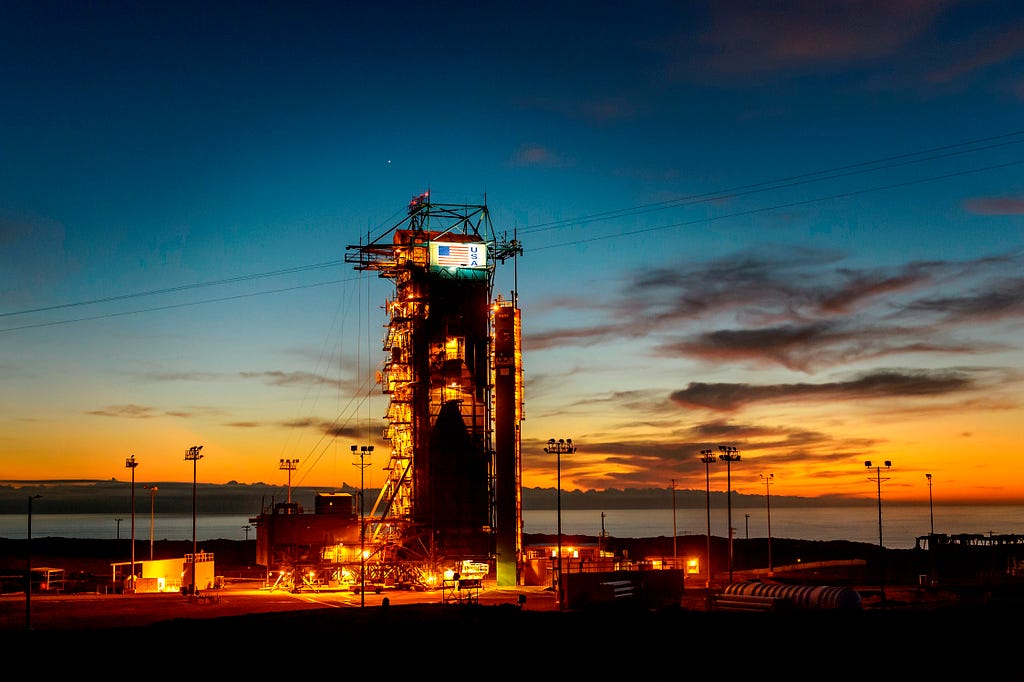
[451, 502]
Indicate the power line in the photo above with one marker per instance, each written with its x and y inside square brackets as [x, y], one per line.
[777, 207]
[781, 183]
[884, 163]
[172, 306]
[183, 287]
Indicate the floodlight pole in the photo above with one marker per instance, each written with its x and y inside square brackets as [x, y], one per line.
[290, 465]
[364, 451]
[729, 456]
[881, 548]
[708, 457]
[28, 567]
[558, 447]
[152, 508]
[131, 464]
[768, 498]
[192, 455]
[674, 553]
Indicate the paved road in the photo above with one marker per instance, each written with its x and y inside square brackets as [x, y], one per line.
[85, 611]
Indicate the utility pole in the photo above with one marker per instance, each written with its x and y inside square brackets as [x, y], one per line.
[152, 507]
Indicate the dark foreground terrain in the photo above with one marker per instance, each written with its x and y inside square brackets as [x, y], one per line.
[969, 622]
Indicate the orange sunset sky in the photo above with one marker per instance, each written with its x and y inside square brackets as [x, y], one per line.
[742, 224]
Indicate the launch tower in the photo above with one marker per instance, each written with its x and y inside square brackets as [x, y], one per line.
[453, 371]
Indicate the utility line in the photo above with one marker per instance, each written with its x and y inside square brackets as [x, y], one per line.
[172, 306]
[791, 181]
[780, 183]
[777, 207]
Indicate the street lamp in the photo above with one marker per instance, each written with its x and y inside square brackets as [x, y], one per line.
[28, 567]
[729, 455]
[192, 455]
[708, 458]
[881, 548]
[674, 553]
[768, 498]
[931, 534]
[558, 447]
[131, 464]
[364, 451]
[152, 507]
[290, 465]
[246, 528]
[931, 516]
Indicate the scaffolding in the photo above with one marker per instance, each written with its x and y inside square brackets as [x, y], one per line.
[447, 491]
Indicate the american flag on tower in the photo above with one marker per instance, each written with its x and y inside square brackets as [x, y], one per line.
[460, 254]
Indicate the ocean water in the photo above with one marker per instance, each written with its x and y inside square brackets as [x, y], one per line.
[901, 525]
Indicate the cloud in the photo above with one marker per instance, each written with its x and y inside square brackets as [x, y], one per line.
[329, 428]
[997, 301]
[987, 48]
[803, 310]
[995, 205]
[874, 385]
[280, 378]
[753, 37]
[127, 411]
[535, 155]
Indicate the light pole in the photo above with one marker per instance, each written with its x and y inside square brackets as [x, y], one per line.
[558, 447]
[708, 457]
[768, 498]
[152, 508]
[729, 455]
[881, 548]
[131, 464]
[28, 567]
[931, 533]
[247, 528]
[364, 451]
[674, 553]
[117, 527]
[192, 455]
[290, 465]
[931, 516]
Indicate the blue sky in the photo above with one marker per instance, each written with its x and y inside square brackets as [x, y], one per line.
[794, 228]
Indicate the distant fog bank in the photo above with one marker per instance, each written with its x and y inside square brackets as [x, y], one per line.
[113, 496]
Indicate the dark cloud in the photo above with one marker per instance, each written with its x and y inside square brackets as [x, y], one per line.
[329, 428]
[883, 384]
[1001, 300]
[127, 411]
[797, 309]
[279, 378]
[745, 38]
[995, 205]
[535, 155]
